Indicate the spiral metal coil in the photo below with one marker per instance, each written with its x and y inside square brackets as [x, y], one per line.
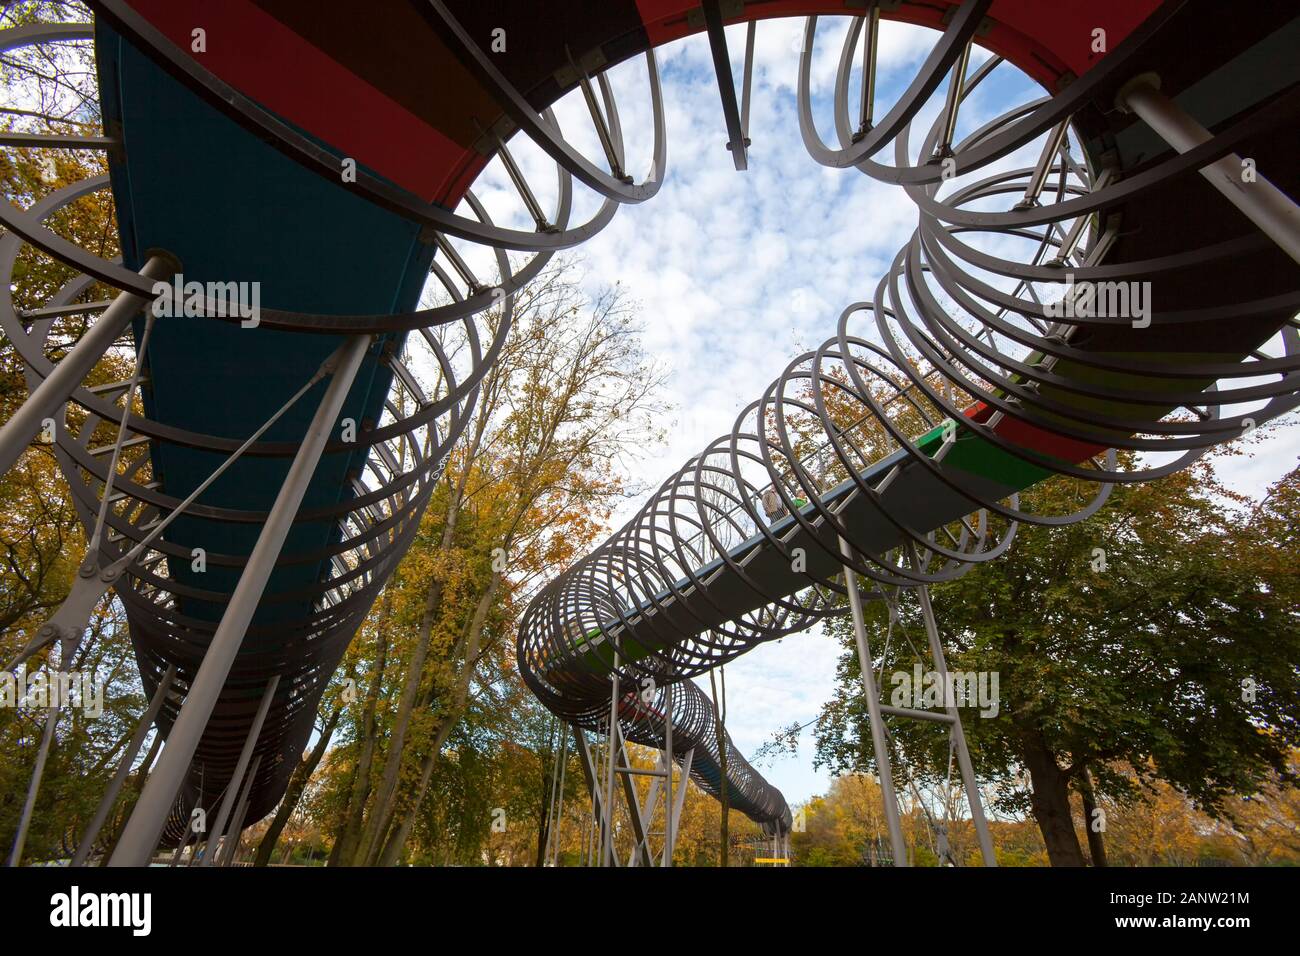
[946, 357]
[955, 351]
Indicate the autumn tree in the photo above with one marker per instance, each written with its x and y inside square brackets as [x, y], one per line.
[50, 89]
[526, 492]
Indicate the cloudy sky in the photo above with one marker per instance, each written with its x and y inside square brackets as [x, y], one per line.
[734, 273]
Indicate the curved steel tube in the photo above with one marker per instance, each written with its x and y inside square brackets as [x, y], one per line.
[689, 582]
[742, 544]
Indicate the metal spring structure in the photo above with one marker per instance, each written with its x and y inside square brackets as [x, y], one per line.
[895, 450]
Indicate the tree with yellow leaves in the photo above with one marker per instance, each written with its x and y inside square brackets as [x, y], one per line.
[524, 494]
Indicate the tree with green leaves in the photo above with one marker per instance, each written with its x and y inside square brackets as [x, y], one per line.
[1156, 641]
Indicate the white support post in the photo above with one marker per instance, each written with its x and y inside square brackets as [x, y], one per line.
[241, 768]
[150, 814]
[231, 847]
[968, 781]
[48, 398]
[607, 855]
[680, 801]
[897, 845]
[123, 768]
[1272, 210]
[670, 825]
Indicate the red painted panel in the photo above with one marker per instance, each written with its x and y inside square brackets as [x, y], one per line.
[1042, 37]
[1021, 433]
[1065, 27]
[268, 62]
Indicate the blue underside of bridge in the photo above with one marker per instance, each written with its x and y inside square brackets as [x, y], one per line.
[180, 184]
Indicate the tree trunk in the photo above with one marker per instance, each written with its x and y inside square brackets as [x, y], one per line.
[386, 797]
[546, 808]
[381, 816]
[1050, 802]
[1096, 839]
[392, 848]
[345, 850]
[293, 793]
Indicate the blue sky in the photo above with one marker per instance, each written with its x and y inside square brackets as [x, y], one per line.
[736, 272]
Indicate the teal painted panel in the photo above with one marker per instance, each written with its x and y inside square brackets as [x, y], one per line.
[193, 182]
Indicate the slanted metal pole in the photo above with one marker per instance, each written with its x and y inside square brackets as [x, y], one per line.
[33, 787]
[953, 104]
[607, 855]
[897, 845]
[180, 847]
[150, 814]
[647, 812]
[670, 830]
[640, 826]
[866, 114]
[48, 397]
[123, 768]
[1272, 210]
[231, 846]
[241, 768]
[589, 776]
[141, 775]
[968, 781]
[589, 822]
[593, 787]
[559, 809]
[747, 82]
[555, 776]
[67, 649]
[737, 142]
[1043, 169]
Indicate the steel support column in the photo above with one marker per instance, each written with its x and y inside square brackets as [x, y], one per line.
[231, 845]
[123, 768]
[1264, 204]
[34, 787]
[640, 823]
[647, 812]
[737, 141]
[670, 825]
[675, 816]
[589, 772]
[968, 780]
[890, 800]
[555, 812]
[866, 112]
[150, 814]
[236, 784]
[953, 104]
[48, 397]
[607, 855]
[68, 648]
